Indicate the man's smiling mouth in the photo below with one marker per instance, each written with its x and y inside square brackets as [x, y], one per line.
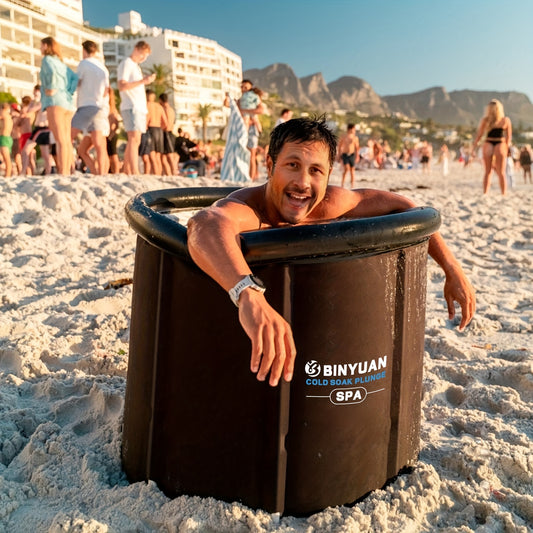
[296, 197]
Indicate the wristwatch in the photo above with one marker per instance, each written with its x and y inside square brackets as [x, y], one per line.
[248, 282]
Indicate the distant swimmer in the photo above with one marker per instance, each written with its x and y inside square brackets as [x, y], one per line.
[348, 153]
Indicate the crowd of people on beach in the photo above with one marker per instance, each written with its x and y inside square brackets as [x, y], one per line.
[84, 135]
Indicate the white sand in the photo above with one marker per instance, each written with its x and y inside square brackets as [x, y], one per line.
[64, 355]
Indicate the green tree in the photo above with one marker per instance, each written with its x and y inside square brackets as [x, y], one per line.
[163, 79]
[203, 114]
[7, 97]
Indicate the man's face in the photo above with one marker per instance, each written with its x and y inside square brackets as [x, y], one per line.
[297, 182]
[245, 87]
[139, 55]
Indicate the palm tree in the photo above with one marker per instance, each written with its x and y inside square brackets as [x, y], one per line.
[7, 97]
[203, 115]
[163, 79]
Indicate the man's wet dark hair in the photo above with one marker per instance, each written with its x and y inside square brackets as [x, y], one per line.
[302, 130]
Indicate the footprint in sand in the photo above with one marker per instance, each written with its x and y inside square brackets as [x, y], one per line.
[96, 233]
[28, 216]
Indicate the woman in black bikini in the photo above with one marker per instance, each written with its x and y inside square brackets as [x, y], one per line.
[498, 130]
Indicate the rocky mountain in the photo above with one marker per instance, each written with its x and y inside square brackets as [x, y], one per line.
[517, 105]
[316, 89]
[351, 93]
[435, 103]
[355, 93]
[280, 79]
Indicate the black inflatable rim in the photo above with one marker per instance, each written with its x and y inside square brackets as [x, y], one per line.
[145, 213]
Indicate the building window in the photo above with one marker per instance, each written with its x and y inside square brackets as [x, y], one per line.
[5, 33]
[22, 18]
[71, 55]
[20, 74]
[17, 56]
[5, 13]
[66, 37]
[210, 84]
[22, 38]
[43, 27]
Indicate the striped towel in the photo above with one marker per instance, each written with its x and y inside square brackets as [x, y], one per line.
[236, 162]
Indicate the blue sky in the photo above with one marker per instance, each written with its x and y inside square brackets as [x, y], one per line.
[398, 46]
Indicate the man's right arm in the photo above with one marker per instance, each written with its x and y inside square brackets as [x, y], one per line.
[124, 85]
[214, 245]
[124, 73]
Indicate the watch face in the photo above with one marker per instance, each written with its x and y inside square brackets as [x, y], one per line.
[257, 281]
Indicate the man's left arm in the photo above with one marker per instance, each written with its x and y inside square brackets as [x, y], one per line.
[457, 288]
[369, 203]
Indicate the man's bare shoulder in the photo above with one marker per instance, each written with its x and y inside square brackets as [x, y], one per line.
[337, 201]
[242, 207]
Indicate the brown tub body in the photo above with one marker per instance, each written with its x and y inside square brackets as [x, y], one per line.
[197, 421]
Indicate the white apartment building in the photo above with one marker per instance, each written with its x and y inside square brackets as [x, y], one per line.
[201, 70]
[23, 23]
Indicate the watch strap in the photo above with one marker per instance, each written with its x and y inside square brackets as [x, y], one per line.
[244, 283]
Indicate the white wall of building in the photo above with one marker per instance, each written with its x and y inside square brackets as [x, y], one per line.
[22, 26]
[201, 70]
[131, 21]
[71, 10]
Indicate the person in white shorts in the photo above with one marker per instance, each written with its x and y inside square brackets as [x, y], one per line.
[133, 106]
[91, 116]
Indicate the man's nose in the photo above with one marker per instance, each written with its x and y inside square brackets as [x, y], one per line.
[304, 177]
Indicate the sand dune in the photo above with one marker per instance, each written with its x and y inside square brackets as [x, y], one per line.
[64, 355]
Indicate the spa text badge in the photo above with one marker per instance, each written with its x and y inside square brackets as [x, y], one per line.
[347, 380]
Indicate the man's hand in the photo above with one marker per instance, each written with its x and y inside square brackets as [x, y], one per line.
[457, 288]
[149, 79]
[273, 348]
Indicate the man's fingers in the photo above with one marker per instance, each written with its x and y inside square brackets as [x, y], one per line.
[468, 309]
[269, 354]
[257, 350]
[279, 360]
[451, 306]
[271, 337]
